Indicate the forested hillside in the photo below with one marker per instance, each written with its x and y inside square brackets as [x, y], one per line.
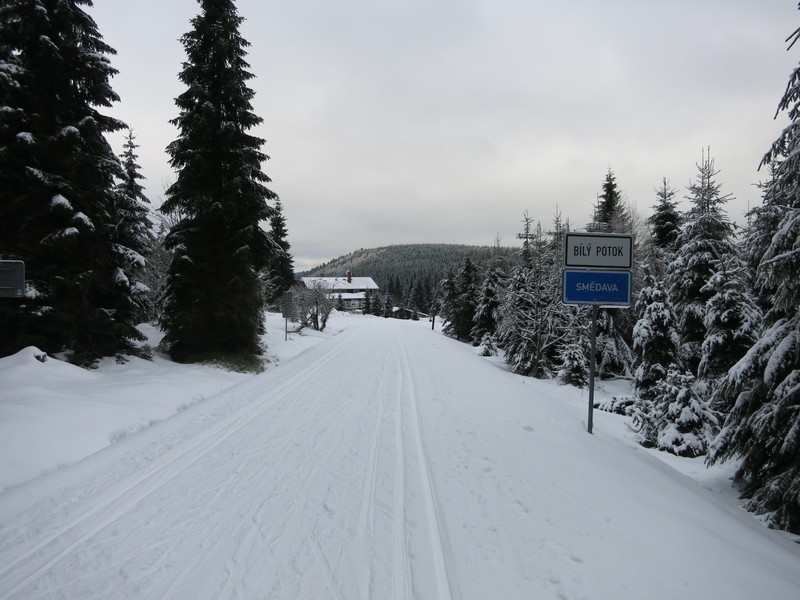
[410, 272]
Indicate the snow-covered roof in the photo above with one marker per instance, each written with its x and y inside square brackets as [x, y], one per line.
[341, 283]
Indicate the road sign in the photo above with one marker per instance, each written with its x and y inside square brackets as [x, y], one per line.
[601, 288]
[287, 307]
[12, 279]
[596, 283]
[598, 250]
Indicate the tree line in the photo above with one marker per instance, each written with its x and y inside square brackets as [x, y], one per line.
[97, 260]
[408, 273]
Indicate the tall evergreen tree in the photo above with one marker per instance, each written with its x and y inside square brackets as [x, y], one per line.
[665, 222]
[462, 297]
[134, 229]
[516, 308]
[467, 297]
[705, 238]
[531, 330]
[613, 357]
[368, 301]
[213, 298]
[448, 304]
[60, 209]
[733, 322]
[763, 221]
[655, 339]
[132, 175]
[763, 427]
[489, 299]
[568, 322]
[668, 413]
[282, 265]
[610, 213]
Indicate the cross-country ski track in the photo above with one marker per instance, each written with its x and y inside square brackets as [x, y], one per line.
[388, 462]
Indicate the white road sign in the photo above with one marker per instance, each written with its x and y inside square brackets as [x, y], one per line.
[598, 250]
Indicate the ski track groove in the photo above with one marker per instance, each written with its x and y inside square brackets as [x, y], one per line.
[401, 570]
[279, 474]
[101, 513]
[435, 528]
[366, 520]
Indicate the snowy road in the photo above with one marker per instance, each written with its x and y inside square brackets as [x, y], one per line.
[387, 463]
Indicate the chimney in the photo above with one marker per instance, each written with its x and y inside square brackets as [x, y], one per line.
[349, 277]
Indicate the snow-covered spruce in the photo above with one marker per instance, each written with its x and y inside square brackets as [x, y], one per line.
[705, 236]
[677, 419]
[655, 338]
[63, 213]
[762, 429]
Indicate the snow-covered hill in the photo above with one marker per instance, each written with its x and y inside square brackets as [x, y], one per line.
[379, 460]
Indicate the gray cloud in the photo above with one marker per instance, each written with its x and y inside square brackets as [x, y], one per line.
[442, 121]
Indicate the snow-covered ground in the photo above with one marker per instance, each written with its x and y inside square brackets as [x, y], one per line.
[377, 460]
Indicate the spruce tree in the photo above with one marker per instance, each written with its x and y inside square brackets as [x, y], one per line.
[566, 320]
[763, 387]
[131, 177]
[732, 321]
[282, 265]
[686, 424]
[762, 223]
[573, 365]
[705, 238]
[461, 297]
[134, 230]
[515, 323]
[665, 222]
[467, 299]
[448, 304]
[531, 329]
[610, 214]
[367, 308]
[516, 309]
[489, 298]
[614, 357]
[655, 339]
[213, 297]
[60, 209]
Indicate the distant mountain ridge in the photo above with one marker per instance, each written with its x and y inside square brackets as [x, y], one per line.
[398, 269]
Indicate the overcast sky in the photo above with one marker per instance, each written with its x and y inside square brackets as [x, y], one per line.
[392, 122]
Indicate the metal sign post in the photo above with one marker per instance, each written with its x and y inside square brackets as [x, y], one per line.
[595, 310]
[597, 273]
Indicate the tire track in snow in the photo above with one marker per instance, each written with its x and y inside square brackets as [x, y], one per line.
[34, 562]
[434, 527]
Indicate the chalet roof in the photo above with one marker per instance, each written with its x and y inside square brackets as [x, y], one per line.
[341, 284]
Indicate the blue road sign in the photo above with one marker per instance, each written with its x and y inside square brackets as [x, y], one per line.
[603, 288]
